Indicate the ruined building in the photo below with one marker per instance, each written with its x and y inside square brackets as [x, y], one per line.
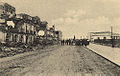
[22, 28]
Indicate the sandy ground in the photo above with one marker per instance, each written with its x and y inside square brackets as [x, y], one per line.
[59, 61]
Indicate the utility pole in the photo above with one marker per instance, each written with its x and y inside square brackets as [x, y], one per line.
[111, 31]
[112, 39]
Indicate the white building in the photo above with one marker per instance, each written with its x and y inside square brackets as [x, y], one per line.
[103, 35]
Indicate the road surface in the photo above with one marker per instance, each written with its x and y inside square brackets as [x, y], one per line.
[58, 61]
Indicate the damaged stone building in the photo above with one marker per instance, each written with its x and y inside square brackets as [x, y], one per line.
[16, 27]
[22, 28]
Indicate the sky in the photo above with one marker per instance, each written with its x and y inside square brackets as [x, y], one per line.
[73, 17]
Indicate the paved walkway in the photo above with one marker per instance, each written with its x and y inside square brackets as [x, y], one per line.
[113, 54]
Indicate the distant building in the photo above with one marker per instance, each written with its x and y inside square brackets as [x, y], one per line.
[58, 35]
[103, 35]
[50, 32]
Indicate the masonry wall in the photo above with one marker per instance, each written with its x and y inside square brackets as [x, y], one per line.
[2, 37]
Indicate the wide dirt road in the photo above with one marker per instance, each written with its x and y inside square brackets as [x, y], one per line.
[59, 61]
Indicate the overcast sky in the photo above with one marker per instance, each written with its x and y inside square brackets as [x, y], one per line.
[73, 17]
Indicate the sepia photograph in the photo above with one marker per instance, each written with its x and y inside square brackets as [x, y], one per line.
[59, 38]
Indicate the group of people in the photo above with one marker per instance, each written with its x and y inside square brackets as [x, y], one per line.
[77, 42]
[66, 42]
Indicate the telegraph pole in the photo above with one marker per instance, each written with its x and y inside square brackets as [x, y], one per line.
[111, 31]
[112, 39]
